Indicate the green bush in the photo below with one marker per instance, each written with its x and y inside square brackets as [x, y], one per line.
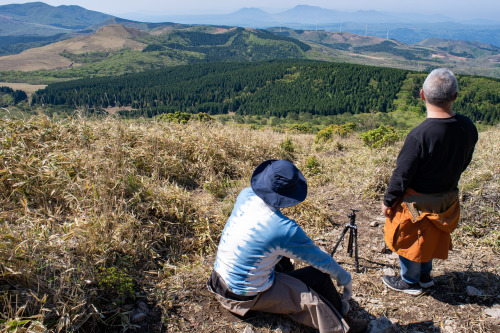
[183, 117]
[203, 117]
[312, 165]
[328, 133]
[116, 283]
[301, 128]
[287, 150]
[382, 136]
[176, 117]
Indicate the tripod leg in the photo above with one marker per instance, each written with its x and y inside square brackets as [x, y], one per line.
[356, 259]
[349, 247]
[340, 239]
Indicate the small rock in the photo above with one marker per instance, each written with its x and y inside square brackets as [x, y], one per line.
[394, 321]
[139, 317]
[143, 307]
[471, 291]
[449, 329]
[394, 255]
[380, 325]
[248, 329]
[374, 224]
[389, 271]
[128, 307]
[357, 299]
[495, 313]
[283, 328]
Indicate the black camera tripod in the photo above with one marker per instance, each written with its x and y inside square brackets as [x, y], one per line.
[353, 237]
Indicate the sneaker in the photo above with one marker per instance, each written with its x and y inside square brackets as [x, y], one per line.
[426, 281]
[397, 283]
[356, 325]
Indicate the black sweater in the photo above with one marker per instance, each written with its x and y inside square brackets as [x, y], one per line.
[433, 157]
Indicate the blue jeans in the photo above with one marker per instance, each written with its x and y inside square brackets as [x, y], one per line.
[411, 270]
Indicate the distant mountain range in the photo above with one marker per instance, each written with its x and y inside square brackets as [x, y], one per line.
[407, 28]
[84, 43]
[40, 19]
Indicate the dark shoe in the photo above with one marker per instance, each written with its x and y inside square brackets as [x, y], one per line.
[426, 281]
[356, 325]
[397, 283]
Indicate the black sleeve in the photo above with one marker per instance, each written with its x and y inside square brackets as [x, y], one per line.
[472, 145]
[406, 167]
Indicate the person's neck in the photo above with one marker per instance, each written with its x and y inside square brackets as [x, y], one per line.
[434, 111]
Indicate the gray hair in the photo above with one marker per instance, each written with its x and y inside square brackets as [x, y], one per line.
[440, 87]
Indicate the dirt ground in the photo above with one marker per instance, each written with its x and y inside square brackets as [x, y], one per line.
[449, 306]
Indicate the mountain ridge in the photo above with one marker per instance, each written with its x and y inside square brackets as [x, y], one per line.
[173, 44]
[48, 57]
[359, 47]
[405, 27]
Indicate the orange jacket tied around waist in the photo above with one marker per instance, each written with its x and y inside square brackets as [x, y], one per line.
[417, 230]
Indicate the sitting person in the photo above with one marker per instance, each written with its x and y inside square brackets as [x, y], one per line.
[256, 239]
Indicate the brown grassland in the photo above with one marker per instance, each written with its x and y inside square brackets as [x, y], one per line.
[112, 226]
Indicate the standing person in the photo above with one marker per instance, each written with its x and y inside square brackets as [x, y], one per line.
[256, 239]
[421, 202]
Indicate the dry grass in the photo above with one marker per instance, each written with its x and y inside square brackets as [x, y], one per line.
[79, 196]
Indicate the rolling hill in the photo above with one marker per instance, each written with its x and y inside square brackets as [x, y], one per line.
[118, 49]
[51, 57]
[461, 56]
[86, 43]
[38, 18]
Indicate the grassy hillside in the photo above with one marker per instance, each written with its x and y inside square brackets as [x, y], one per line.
[116, 49]
[154, 46]
[460, 56]
[103, 218]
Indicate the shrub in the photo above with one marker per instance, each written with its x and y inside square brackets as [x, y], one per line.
[183, 117]
[116, 283]
[203, 117]
[328, 133]
[287, 150]
[382, 136]
[176, 117]
[301, 128]
[312, 165]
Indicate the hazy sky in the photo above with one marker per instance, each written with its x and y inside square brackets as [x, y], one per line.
[453, 8]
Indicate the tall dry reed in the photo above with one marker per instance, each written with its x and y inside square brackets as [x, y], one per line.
[89, 208]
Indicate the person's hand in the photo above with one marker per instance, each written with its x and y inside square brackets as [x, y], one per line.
[385, 210]
[347, 291]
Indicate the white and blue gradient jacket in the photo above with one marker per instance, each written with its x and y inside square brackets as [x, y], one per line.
[256, 237]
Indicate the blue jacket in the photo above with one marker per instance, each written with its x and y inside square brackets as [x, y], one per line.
[256, 237]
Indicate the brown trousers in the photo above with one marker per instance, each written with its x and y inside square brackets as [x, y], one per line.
[291, 297]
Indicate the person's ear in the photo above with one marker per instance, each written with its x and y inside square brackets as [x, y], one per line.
[455, 97]
[422, 94]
